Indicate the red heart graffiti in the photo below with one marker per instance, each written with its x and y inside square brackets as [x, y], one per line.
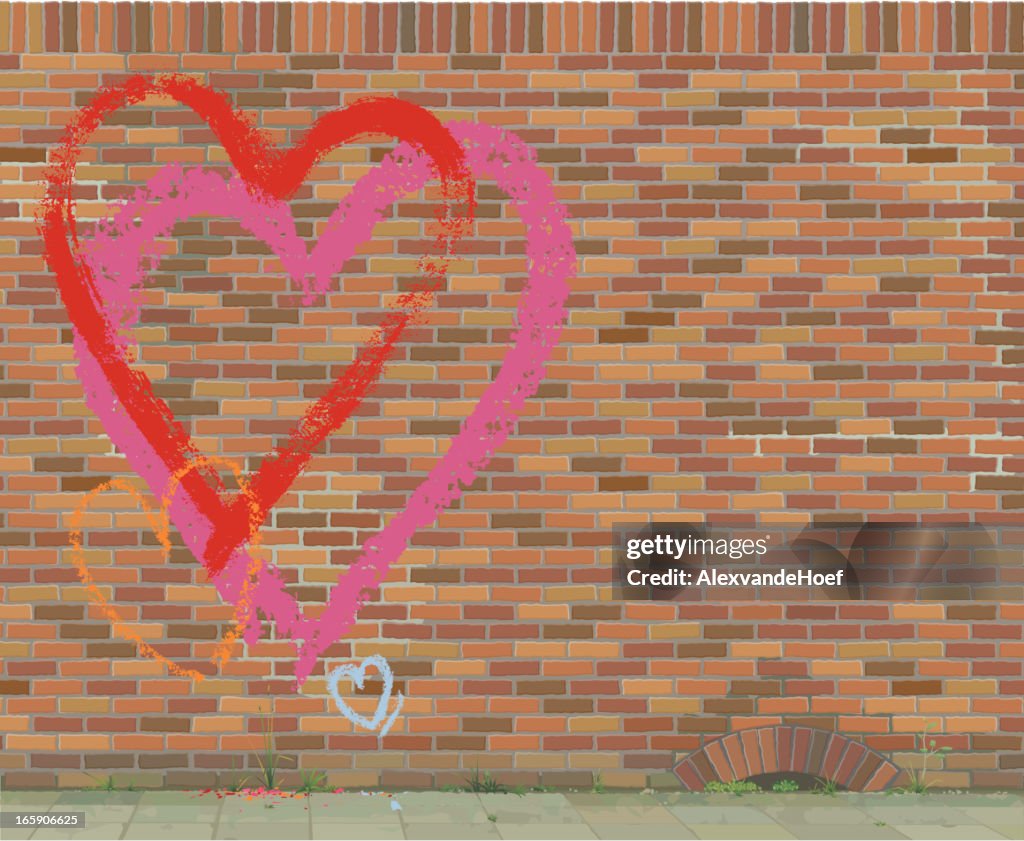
[275, 173]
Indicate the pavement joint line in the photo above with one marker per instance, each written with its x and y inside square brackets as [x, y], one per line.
[131, 817]
[216, 819]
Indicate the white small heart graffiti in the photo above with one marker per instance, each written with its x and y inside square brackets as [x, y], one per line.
[357, 673]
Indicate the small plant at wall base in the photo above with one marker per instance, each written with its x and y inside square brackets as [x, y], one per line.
[238, 783]
[106, 785]
[313, 781]
[269, 761]
[786, 785]
[485, 784]
[927, 749]
[827, 786]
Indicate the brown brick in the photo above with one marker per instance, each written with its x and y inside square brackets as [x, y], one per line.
[717, 192]
[717, 266]
[165, 725]
[617, 335]
[890, 668]
[744, 632]
[744, 173]
[905, 135]
[851, 210]
[540, 687]
[1000, 337]
[744, 99]
[919, 427]
[933, 155]
[851, 62]
[719, 410]
[838, 372]
[22, 154]
[917, 687]
[717, 118]
[892, 445]
[824, 192]
[770, 155]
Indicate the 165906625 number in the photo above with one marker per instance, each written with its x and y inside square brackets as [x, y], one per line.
[12, 820]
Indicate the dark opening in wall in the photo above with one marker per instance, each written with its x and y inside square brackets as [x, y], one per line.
[783, 752]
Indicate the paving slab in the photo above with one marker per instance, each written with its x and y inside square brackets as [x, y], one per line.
[427, 807]
[546, 809]
[927, 811]
[730, 831]
[28, 800]
[450, 832]
[955, 833]
[357, 832]
[618, 808]
[196, 810]
[16, 834]
[844, 832]
[282, 831]
[545, 831]
[192, 831]
[738, 813]
[354, 808]
[633, 831]
[818, 813]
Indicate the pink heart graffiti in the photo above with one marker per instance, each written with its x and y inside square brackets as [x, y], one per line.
[117, 256]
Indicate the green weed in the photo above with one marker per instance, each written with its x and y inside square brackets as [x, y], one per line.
[827, 786]
[927, 749]
[786, 785]
[313, 781]
[106, 785]
[485, 784]
[268, 759]
[238, 783]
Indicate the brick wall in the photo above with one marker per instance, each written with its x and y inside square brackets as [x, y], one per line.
[799, 290]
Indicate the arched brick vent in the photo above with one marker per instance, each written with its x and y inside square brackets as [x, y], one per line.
[801, 750]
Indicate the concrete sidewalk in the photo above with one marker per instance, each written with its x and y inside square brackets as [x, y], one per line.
[172, 815]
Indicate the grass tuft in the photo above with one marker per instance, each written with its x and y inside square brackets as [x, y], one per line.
[485, 784]
[313, 781]
[827, 786]
[268, 759]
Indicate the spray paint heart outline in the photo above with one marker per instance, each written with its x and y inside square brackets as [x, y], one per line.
[272, 175]
[159, 525]
[490, 153]
[357, 674]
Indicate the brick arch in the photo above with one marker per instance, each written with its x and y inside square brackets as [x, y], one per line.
[781, 749]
